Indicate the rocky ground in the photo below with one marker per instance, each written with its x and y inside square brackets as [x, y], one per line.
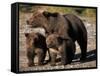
[76, 64]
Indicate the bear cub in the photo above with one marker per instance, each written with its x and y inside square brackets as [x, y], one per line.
[36, 45]
[55, 45]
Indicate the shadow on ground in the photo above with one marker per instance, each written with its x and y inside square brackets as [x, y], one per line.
[91, 55]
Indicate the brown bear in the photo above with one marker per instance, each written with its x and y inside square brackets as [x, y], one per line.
[55, 43]
[36, 45]
[69, 28]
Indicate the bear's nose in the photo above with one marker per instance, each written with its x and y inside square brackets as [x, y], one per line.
[49, 44]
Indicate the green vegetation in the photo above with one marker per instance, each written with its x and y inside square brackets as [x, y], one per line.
[86, 12]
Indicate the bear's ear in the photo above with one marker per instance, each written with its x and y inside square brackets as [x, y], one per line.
[26, 34]
[64, 37]
[46, 14]
[55, 14]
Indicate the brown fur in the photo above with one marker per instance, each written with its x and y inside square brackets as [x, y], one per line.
[68, 27]
[55, 45]
[36, 45]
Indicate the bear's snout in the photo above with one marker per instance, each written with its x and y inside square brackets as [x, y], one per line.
[49, 44]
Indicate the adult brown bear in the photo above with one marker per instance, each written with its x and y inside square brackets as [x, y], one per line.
[36, 45]
[68, 27]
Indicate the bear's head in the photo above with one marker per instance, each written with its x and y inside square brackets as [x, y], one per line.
[53, 41]
[31, 38]
[40, 19]
[35, 40]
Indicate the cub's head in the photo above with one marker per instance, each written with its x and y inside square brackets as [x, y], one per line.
[31, 38]
[35, 40]
[53, 41]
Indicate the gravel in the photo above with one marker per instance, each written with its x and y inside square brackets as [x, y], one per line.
[76, 64]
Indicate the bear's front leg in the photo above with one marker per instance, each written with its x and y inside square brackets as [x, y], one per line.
[53, 54]
[41, 56]
[67, 51]
[30, 56]
[63, 53]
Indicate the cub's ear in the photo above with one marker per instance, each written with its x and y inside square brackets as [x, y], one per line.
[26, 34]
[46, 14]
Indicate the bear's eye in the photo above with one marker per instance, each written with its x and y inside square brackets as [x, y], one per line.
[29, 39]
[35, 26]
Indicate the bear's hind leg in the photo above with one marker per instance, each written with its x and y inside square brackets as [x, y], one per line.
[83, 46]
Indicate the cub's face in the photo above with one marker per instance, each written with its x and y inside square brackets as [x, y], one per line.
[30, 39]
[53, 41]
